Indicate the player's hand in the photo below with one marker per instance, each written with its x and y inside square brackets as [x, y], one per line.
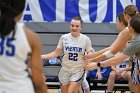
[87, 56]
[122, 69]
[44, 77]
[43, 57]
[91, 66]
[88, 60]
[99, 75]
[118, 72]
[124, 72]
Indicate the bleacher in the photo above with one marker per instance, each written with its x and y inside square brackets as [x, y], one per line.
[101, 35]
[51, 69]
[96, 84]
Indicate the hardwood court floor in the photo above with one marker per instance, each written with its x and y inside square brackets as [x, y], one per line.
[53, 90]
[56, 91]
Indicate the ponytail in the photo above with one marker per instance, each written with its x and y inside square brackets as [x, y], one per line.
[9, 9]
[131, 10]
[7, 24]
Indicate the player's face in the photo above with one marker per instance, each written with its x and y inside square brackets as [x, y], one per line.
[75, 27]
[126, 17]
[119, 25]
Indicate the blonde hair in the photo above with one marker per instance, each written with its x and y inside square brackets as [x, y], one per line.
[131, 10]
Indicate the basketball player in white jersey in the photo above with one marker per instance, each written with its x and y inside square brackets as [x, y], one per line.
[74, 45]
[18, 46]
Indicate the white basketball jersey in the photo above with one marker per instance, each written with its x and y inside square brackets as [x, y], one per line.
[74, 49]
[14, 77]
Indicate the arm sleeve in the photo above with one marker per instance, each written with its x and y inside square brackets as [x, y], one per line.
[120, 43]
[131, 48]
[60, 43]
[88, 45]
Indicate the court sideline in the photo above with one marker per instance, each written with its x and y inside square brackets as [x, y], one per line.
[56, 91]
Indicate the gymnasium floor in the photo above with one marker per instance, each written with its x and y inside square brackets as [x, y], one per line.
[56, 91]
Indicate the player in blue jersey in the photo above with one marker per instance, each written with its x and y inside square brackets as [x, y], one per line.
[73, 45]
[18, 47]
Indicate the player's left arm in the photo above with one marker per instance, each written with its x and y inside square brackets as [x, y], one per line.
[114, 61]
[35, 62]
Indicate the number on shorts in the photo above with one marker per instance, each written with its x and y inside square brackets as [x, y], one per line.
[122, 66]
[73, 56]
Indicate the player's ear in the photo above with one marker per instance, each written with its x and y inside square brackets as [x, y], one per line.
[130, 28]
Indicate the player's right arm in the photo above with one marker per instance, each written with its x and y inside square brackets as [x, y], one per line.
[53, 54]
[95, 54]
[56, 52]
[118, 45]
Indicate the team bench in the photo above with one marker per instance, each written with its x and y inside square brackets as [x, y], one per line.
[51, 69]
[96, 84]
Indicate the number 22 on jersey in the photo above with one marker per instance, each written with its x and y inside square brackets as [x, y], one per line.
[73, 56]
